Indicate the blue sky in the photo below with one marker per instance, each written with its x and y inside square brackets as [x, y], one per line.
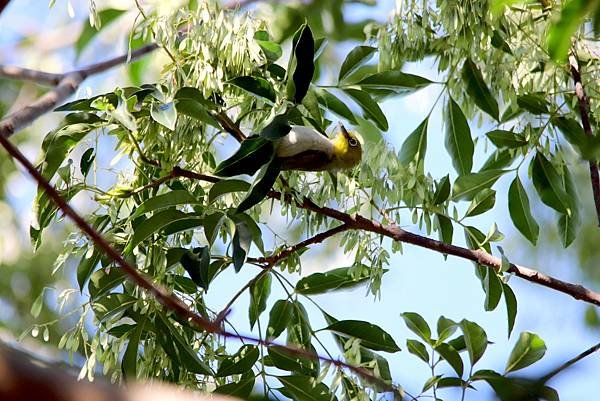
[419, 280]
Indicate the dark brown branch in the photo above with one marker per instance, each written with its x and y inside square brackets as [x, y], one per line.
[25, 74]
[571, 362]
[169, 300]
[3, 4]
[584, 111]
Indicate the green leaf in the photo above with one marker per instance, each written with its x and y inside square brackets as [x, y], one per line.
[164, 114]
[371, 336]
[259, 292]
[301, 66]
[101, 281]
[191, 93]
[305, 388]
[442, 190]
[130, 357]
[499, 43]
[499, 159]
[166, 200]
[482, 202]
[261, 186]
[569, 224]
[193, 109]
[225, 187]
[429, 383]
[395, 80]
[36, 307]
[240, 389]
[418, 349]
[572, 15]
[299, 331]
[333, 280]
[535, 103]
[356, 58]
[445, 328]
[520, 211]
[475, 340]
[415, 145]
[320, 45]
[548, 184]
[271, 49]
[446, 229]
[370, 107]
[112, 305]
[152, 225]
[87, 158]
[277, 128]
[417, 325]
[241, 362]
[252, 226]
[279, 317]
[511, 306]
[86, 267]
[254, 152]
[212, 224]
[257, 86]
[506, 139]
[450, 355]
[335, 105]
[529, 349]
[468, 185]
[242, 240]
[88, 33]
[493, 289]
[458, 138]
[478, 89]
[196, 263]
[290, 361]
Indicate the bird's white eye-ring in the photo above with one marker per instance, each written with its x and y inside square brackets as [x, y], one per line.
[352, 142]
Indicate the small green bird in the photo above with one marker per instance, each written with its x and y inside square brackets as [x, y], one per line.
[306, 149]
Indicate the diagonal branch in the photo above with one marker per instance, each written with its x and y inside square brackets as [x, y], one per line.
[584, 111]
[169, 300]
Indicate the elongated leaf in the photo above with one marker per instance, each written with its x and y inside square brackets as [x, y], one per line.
[417, 325]
[446, 229]
[225, 187]
[520, 211]
[356, 58]
[478, 89]
[164, 114]
[396, 81]
[261, 186]
[442, 190]
[197, 263]
[271, 49]
[130, 357]
[88, 33]
[257, 86]
[191, 93]
[445, 328]
[101, 281]
[305, 388]
[511, 306]
[166, 200]
[240, 389]
[493, 289]
[549, 185]
[450, 355]
[506, 139]
[242, 239]
[289, 361]
[259, 292]
[415, 145]
[333, 280]
[86, 267]
[299, 331]
[371, 336]
[569, 224]
[253, 153]
[279, 317]
[241, 362]
[499, 159]
[475, 340]
[370, 107]
[418, 349]
[535, 103]
[277, 128]
[529, 349]
[195, 110]
[335, 105]
[482, 202]
[469, 185]
[153, 225]
[458, 138]
[559, 36]
[87, 158]
[301, 67]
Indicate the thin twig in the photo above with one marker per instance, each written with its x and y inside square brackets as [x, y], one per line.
[3, 4]
[570, 362]
[584, 111]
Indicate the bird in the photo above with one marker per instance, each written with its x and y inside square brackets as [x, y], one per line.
[305, 149]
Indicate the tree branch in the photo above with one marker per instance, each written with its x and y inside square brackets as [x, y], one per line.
[570, 362]
[3, 4]
[167, 299]
[584, 111]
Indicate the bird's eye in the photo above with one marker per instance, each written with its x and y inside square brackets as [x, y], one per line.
[352, 142]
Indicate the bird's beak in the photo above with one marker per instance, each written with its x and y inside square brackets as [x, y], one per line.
[344, 132]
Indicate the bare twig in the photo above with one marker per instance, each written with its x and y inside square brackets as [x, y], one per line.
[584, 111]
[25, 74]
[3, 4]
[570, 362]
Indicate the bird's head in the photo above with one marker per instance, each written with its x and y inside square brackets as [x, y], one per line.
[346, 149]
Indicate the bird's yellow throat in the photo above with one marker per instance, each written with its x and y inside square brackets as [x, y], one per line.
[347, 151]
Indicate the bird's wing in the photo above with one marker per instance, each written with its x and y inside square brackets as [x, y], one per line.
[309, 160]
[301, 139]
